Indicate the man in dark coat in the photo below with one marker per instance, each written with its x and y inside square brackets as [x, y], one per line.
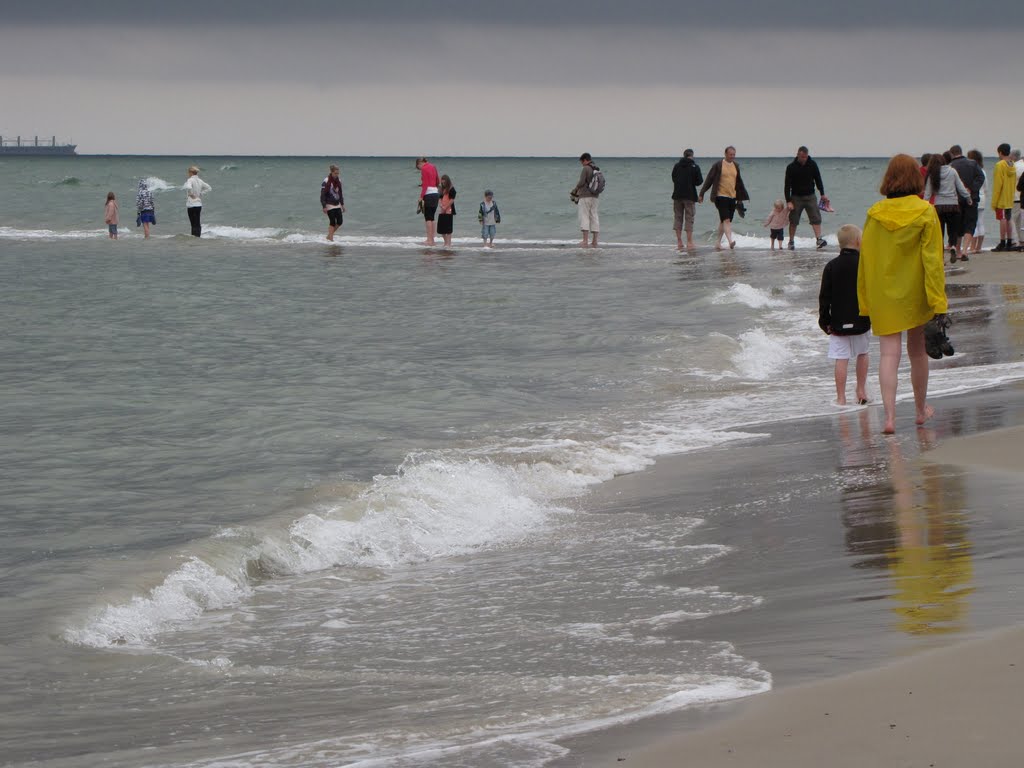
[802, 176]
[686, 175]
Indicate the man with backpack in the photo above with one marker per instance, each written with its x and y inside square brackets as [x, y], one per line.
[585, 194]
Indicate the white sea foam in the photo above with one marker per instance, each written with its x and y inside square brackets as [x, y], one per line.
[185, 594]
[156, 184]
[434, 506]
[761, 354]
[222, 231]
[432, 509]
[765, 243]
[291, 237]
[13, 233]
[743, 293]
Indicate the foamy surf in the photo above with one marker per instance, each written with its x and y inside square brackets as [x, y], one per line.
[156, 184]
[533, 744]
[277, 235]
[432, 507]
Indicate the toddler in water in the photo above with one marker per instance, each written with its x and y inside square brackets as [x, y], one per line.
[776, 222]
[110, 215]
[839, 314]
[488, 216]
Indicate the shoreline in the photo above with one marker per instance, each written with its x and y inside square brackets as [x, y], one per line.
[952, 706]
[950, 701]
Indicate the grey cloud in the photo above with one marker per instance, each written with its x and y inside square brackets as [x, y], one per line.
[780, 14]
[379, 54]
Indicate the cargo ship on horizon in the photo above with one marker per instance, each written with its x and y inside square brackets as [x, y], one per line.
[25, 147]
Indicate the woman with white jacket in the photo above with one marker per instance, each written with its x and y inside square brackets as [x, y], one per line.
[195, 188]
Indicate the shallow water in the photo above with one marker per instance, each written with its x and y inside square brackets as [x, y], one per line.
[303, 504]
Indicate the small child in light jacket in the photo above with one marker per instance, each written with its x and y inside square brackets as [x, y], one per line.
[488, 216]
[110, 217]
[776, 222]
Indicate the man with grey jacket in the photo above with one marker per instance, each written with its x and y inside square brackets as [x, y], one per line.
[587, 201]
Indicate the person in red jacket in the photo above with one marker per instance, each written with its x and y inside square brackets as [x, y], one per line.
[429, 183]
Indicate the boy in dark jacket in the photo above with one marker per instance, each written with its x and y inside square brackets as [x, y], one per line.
[839, 316]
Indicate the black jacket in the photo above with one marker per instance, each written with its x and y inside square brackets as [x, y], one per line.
[838, 311]
[686, 176]
[970, 174]
[802, 179]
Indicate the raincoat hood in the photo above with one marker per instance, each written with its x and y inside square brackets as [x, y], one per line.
[894, 213]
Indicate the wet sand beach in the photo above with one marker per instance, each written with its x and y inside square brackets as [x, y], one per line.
[892, 620]
[899, 635]
[955, 706]
[988, 267]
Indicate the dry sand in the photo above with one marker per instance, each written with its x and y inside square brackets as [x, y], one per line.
[954, 707]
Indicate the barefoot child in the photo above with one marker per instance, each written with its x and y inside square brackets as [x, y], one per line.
[110, 216]
[777, 221]
[839, 315]
[488, 216]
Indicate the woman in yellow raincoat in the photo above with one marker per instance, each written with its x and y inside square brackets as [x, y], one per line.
[900, 281]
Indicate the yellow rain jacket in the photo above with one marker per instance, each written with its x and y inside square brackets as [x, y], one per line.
[900, 280]
[1004, 185]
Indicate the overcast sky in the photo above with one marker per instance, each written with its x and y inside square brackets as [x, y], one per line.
[513, 77]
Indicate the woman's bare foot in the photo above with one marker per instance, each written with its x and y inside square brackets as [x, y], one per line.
[923, 416]
[889, 427]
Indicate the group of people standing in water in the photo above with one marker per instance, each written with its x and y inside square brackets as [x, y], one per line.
[145, 208]
[437, 206]
[953, 183]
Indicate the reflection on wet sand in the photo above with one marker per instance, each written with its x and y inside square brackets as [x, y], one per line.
[909, 520]
[931, 564]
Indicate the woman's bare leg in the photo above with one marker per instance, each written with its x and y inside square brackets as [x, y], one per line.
[919, 373]
[888, 364]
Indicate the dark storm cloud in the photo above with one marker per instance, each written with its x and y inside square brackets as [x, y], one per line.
[660, 13]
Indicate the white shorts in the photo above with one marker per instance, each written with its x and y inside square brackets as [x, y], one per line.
[979, 229]
[588, 215]
[847, 347]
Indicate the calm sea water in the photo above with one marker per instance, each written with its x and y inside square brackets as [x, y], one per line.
[270, 501]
